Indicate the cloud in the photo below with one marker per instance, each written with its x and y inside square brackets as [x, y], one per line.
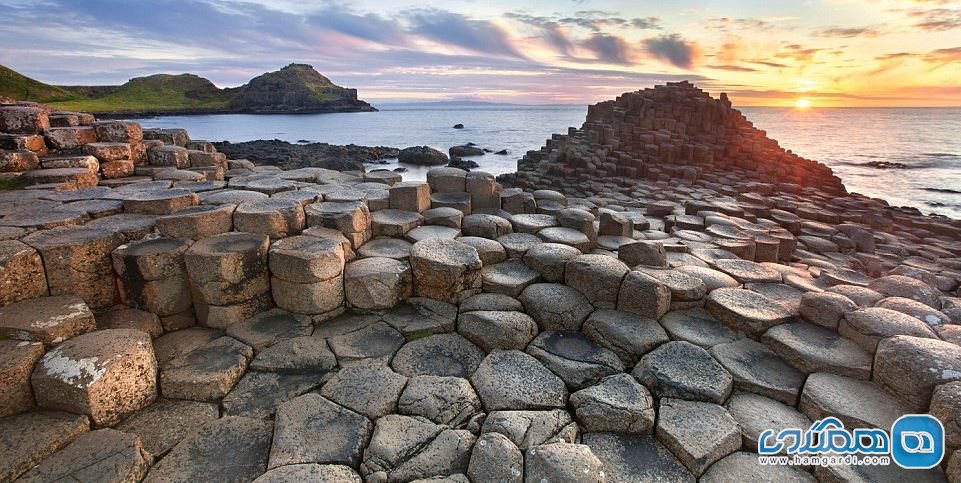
[849, 32]
[798, 53]
[672, 49]
[895, 56]
[727, 24]
[944, 55]
[462, 31]
[732, 68]
[609, 49]
[768, 63]
[935, 19]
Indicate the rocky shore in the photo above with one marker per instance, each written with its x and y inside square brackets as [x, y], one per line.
[638, 303]
[306, 155]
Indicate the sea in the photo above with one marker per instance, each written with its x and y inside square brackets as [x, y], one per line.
[907, 156]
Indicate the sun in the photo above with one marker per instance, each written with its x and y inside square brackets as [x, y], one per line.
[802, 103]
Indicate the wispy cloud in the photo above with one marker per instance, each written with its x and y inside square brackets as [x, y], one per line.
[850, 32]
[673, 49]
[460, 30]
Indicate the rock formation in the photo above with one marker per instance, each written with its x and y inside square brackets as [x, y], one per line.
[672, 131]
[167, 313]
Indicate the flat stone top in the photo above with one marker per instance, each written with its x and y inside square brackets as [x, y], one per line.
[153, 246]
[269, 205]
[43, 312]
[446, 252]
[158, 195]
[232, 197]
[12, 248]
[305, 246]
[64, 236]
[226, 243]
[198, 210]
[76, 195]
[333, 207]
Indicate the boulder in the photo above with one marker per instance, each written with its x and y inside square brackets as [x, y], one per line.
[108, 375]
[422, 155]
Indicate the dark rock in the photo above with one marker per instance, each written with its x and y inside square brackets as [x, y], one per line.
[422, 155]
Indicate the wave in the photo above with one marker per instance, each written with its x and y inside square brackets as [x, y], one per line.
[878, 164]
[943, 190]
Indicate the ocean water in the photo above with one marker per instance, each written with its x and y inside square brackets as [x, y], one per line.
[908, 156]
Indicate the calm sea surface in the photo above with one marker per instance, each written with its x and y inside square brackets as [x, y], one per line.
[908, 156]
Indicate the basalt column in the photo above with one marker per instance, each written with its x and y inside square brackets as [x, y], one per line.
[228, 276]
[153, 277]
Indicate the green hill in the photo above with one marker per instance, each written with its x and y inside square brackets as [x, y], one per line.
[155, 93]
[18, 86]
[294, 88]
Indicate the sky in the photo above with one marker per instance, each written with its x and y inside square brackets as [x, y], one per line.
[784, 53]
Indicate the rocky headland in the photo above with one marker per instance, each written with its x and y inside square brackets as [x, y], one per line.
[294, 89]
[638, 303]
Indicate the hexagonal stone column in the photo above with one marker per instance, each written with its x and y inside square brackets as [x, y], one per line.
[229, 277]
[108, 375]
[377, 283]
[160, 202]
[307, 275]
[274, 217]
[352, 218]
[197, 222]
[153, 276]
[77, 261]
[21, 273]
[17, 359]
[410, 196]
[446, 180]
[446, 270]
[482, 188]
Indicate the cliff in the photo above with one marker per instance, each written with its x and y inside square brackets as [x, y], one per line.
[297, 88]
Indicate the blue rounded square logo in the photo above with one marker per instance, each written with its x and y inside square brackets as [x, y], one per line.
[917, 441]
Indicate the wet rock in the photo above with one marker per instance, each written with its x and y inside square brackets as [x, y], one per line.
[267, 328]
[683, 370]
[230, 448]
[698, 433]
[422, 155]
[574, 357]
[421, 316]
[103, 455]
[85, 375]
[555, 306]
[295, 428]
[757, 369]
[257, 394]
[616, 404]
[625, 334]
[515, 380]
[438, 355]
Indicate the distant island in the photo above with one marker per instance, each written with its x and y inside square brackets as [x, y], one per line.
[296, 88]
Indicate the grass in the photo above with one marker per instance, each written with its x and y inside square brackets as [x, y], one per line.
[157, 93]
[17, 86]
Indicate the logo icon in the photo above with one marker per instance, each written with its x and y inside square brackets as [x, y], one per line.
[917, 441]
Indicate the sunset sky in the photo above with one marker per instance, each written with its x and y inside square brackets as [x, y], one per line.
[827, 52]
